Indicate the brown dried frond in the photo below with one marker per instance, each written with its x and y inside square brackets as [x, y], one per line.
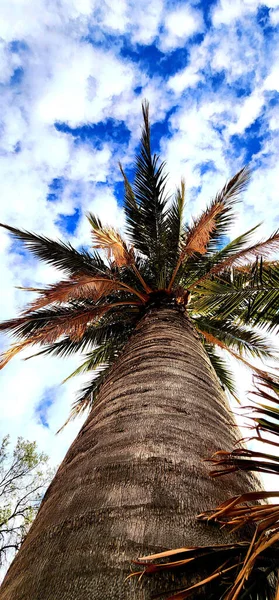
[232, 507]
[199, 235]
[15, 349]
[73, 326]
[182, 296]
[257, 547]
[233, 560]
[262, 249]
[110, 240]
[82, 286]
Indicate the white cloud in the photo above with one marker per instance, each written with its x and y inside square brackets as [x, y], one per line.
[272, 80]
[187, 78]
[226, 11]
[145, 17]
[115, 15]
[274, 17]
[247, 112]
[180, 25]
[84, 86]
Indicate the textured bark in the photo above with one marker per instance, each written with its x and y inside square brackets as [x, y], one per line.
[134, 479]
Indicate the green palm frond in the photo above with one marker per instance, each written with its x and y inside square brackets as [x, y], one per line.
[107, 329]
[263, 249]
[102, 355]
[47, 326]
[238, 338]
[87, 395]
[263, 311]
[242, 299]
[59, 254]
[174, 225]
[221, 369]
[145, 207]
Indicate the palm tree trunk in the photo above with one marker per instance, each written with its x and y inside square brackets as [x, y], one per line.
[134, 479]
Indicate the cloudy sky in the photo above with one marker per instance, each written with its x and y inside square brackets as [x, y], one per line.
[73, 74]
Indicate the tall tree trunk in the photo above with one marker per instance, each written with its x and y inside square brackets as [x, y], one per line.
[134, 479]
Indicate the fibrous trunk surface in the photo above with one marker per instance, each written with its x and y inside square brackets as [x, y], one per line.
[135, 478]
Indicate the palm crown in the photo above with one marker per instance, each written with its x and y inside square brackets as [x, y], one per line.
[226, 290]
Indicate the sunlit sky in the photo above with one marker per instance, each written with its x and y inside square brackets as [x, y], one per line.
[73, 74]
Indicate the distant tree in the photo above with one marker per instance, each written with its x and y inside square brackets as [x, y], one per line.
[24, 475]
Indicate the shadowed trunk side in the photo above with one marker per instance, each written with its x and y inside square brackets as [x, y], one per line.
[135, 478]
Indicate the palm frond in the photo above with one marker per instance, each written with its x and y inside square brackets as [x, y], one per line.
[263, 310]
[197, 237]
[240, 510]
[218, 561]
[11, 352]
[198, 268]
[110, 240]
[238, 338]
[221, 369]
[212, 223]
[199, 234]
[263, 249]
[214, 340]
[103, 356]
[78, 288]
[239, 300]
[145, 205]
[87, 395]
[228, 197]
[59, 254]
[83, 286]
[46, 326]
[116, 328]
[174, 225]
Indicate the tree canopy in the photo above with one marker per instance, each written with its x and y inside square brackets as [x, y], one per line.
[24, 476]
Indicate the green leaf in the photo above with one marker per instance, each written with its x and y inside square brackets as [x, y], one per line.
[103, 355]
[145, 201]
[174, 225]
[238, 338]
[59, 254]
[221, 369]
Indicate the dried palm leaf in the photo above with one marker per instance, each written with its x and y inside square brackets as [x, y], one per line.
[82, 286]
[110, 240]
[263, 249]
[11, 352]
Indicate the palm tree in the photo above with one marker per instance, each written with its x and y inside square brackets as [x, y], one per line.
[152, 313]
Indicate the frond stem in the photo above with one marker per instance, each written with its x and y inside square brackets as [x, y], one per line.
[174, 275]
[143, 283]
[125, 286]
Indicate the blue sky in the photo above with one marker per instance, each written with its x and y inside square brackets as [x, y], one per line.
[73, 75]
